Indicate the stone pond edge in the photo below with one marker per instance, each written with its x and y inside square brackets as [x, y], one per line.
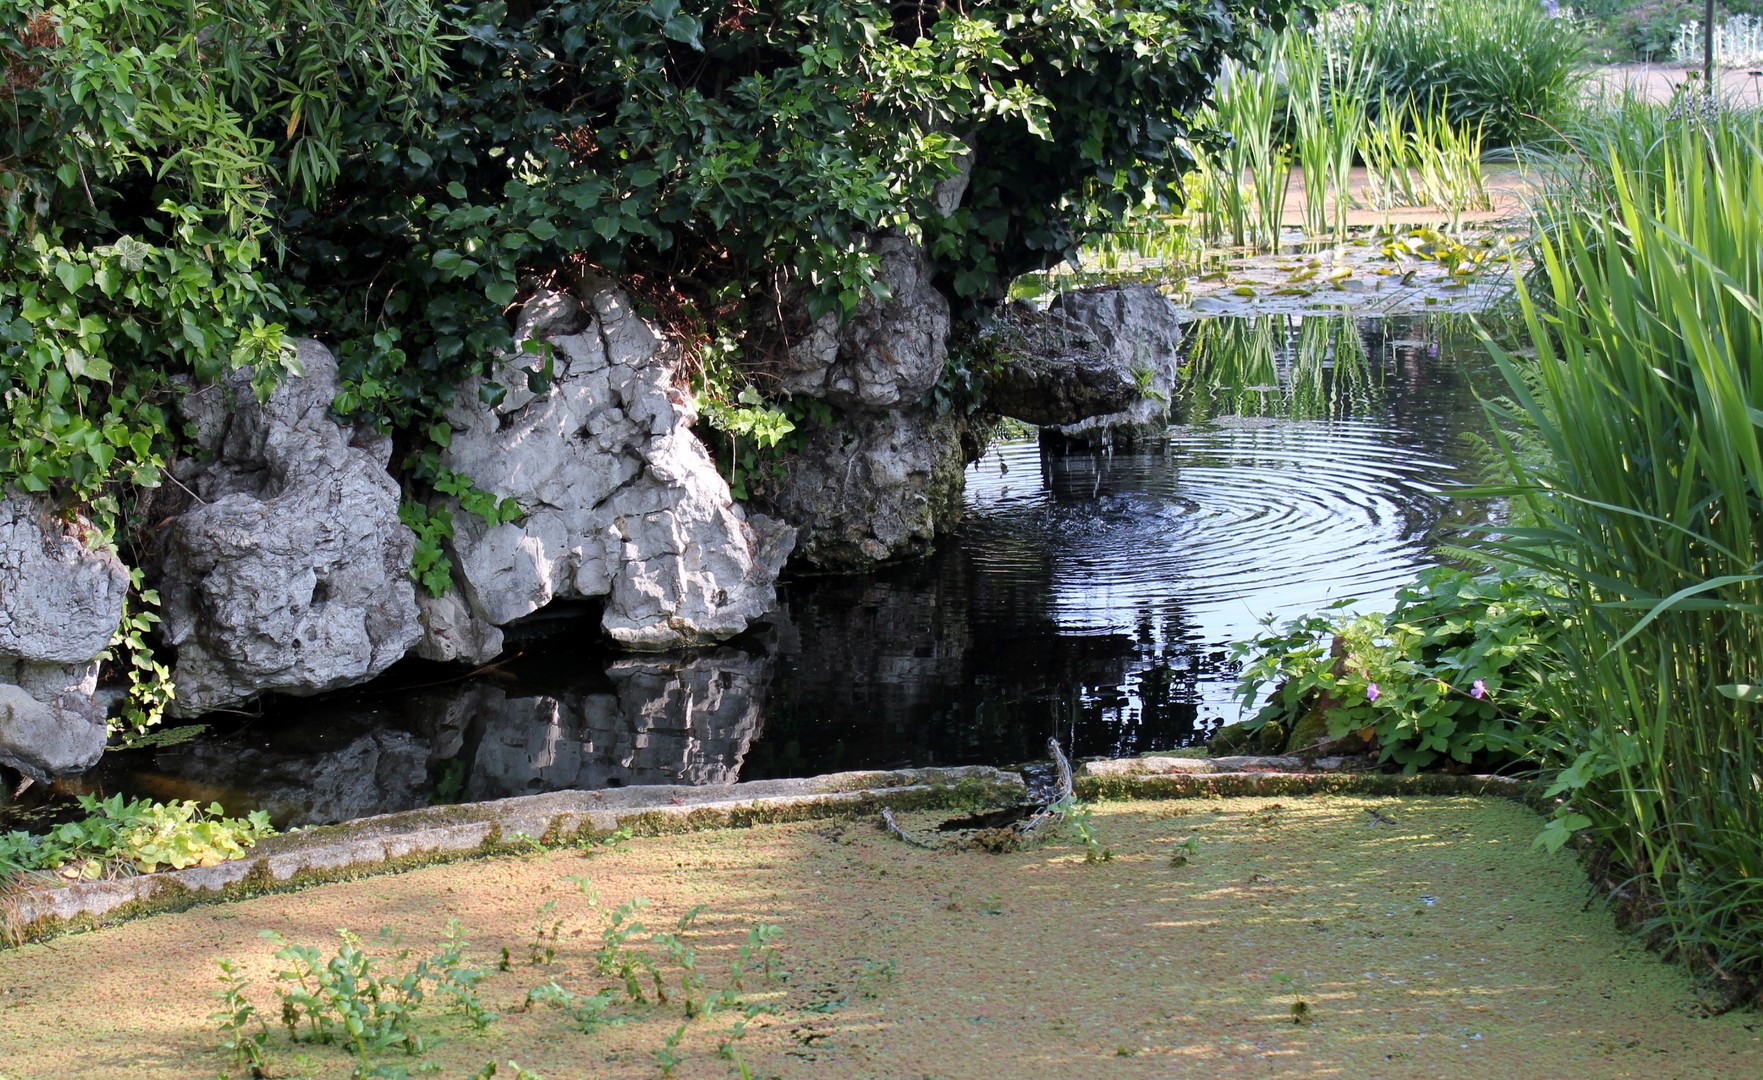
[390, 843]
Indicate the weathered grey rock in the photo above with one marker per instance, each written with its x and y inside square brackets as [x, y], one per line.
[452, 632]
[884, 477]
[289, 571]
[619, 499]
[60, 603]
[890, 353]
[1139, 331]
[873, 487]
[1055, 370]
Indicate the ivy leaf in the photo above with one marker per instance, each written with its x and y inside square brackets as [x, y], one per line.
[685, 30]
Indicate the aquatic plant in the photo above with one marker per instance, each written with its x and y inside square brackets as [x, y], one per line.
[1647, 316]
[1510, 68]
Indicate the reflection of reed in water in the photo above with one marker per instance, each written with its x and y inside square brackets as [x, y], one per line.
[1290, 367]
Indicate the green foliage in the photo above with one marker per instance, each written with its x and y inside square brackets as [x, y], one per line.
[138, 183]
[234, 1019]
[744, 156]
[1511, 68]
[749, 436]
[150, 685]
[141, 835]
[1647, 317]
[1460, 667]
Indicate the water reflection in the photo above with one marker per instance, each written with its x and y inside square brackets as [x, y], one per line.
[552, 719]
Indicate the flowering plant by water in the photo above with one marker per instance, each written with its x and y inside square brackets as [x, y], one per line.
[1454, 671]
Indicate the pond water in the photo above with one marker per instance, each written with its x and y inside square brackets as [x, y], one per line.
[1091, 595]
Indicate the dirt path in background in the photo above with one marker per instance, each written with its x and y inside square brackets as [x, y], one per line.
[1657, 82]
[1429, 939]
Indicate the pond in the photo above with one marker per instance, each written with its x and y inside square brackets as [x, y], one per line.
[1091, 595]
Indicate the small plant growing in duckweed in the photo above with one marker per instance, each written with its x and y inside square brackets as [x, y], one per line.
[546, 928]
[760, 947]
[668, 1056]
[1294, 985]
[235, 1018]
[366, 997]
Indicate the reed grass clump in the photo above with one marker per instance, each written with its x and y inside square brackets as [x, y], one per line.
[1508, 67]
[1647, 392]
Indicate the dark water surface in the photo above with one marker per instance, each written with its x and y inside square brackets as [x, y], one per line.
[1091, 595]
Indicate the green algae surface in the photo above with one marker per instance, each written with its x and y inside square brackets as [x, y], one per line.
[1411, 936]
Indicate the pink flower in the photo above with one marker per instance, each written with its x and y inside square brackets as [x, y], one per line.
[1372, 692]
[1478, 689]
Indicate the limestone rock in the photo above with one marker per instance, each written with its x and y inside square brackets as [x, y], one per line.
[619, 499]
[1055, 370]
[289, 570]
[60, 603]
[451, 631]
[891, 352]
[1139, 331]
[875, 486]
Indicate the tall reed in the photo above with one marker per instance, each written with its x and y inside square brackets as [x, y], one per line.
[1325, 83]
[1244, 185]
[1647, 316]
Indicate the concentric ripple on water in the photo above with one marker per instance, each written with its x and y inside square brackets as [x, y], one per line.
[1095, 594]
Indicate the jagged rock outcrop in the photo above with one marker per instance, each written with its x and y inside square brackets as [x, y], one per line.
[884, 477]
[60, 603]
[618, 498]
[890, 353]
[1138, 330]
[289, 570]
[1054, 369]
[873, 487]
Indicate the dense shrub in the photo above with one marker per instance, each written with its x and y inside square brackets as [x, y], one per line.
[394, 176]
[138, 188]
[1453, 673]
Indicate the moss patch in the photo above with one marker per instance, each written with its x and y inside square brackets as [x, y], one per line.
[1424, 934]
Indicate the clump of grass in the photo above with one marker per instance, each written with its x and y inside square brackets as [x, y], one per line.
[1647, 316]
[1507, 67]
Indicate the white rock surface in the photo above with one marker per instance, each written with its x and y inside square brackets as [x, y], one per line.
[289, 571]
[60, 603]
[619, 499]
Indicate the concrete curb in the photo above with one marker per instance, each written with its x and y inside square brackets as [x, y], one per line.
[402, 841]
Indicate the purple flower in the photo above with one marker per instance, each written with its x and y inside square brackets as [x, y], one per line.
[1478, 689]
[1372, 692]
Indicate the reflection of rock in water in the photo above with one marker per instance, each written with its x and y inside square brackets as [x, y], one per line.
[665, 720]
[657, 719]
[300, 780]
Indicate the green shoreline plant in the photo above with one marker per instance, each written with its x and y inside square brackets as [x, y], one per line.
[1647, 391]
